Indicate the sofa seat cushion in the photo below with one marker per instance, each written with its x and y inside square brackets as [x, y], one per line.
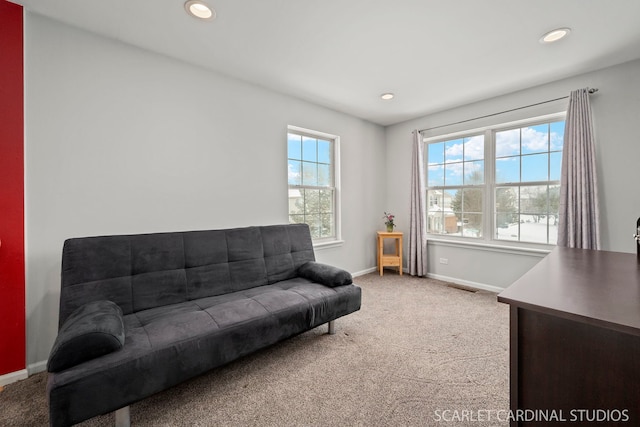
[325, 303]
[167, 345]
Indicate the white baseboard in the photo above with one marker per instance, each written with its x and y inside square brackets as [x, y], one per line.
[467, 283]
[12, 377]
[363, 272]
[34, 368]
[23, 374]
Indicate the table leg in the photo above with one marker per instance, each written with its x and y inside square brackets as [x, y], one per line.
[380, 249]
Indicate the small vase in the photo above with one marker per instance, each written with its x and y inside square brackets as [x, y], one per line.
[390, 228]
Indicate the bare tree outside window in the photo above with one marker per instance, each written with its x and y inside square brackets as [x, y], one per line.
[312, 183]
[515, 197]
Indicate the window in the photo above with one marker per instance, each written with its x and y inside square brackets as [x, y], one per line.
[527, 176]
[313, 182]
[456, 180]
[500, 183]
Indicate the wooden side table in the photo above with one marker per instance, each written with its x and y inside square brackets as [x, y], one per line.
[395, 259]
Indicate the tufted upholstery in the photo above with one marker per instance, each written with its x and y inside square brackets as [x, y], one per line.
[142, 271]
[190, 301]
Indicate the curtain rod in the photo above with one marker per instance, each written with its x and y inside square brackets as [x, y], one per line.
[591, 90]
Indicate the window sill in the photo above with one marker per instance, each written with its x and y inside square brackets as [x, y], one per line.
[521, 249]
[328, 244]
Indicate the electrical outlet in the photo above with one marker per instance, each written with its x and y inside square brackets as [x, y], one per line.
[444, 260]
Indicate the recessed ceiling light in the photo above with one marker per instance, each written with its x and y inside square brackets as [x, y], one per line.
[387, 96]
[555, 35]
[199, 10]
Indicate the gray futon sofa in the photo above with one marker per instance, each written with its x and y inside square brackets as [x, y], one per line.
[141, 313]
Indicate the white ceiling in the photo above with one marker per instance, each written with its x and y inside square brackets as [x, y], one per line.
[433, 54]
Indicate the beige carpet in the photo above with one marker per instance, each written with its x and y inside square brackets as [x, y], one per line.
[416, 349]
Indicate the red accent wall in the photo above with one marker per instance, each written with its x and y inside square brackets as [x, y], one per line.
[12, 274]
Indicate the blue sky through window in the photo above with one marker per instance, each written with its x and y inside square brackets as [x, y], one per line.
[529, 154]
[309, 161]
[456, 162]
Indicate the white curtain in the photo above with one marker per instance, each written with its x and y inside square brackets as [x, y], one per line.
[578, 225]
[417, 216]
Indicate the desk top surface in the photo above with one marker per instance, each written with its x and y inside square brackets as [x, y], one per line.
[596, 287]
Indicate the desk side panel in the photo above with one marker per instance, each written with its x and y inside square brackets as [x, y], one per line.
[569, 366]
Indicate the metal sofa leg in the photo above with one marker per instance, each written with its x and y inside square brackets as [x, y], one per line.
[332, 327]
[123, 417]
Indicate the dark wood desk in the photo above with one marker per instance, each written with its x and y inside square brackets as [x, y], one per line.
[575, 337]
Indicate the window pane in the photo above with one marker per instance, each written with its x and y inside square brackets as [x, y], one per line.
[448, 198]
[554, 200]
[506, 217]
[309, 149]
[450, 220]
[456, 200]
[535, 139]
[434, 200]
[471, 200]
[453, 223]
[314, 225]
[324, 151]
[552, 221]
[474, 172]
[474, 148]
[453, 174]
[555, 164]
[296, 202]
[557, 136]
[311, 201]
[453, 151]
[324, 175]
[435, 221]
[535, 167]
[294, 146]
[435, 176]
[472, 225]
[295, 177]
[508, 170]
[326, 226]
[532, 231]
[534, 207]
[534, 200]
[507, 199]
[296, 219]
[309, 173]
[507, 226]
[508, 143]
[435, 153]
[440, 215]
[325, 201]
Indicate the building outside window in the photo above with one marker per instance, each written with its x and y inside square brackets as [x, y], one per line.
[500, 183]
[313, 176]
[527, 177]
[455, 176]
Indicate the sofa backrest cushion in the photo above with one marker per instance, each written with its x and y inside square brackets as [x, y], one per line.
[142, 271]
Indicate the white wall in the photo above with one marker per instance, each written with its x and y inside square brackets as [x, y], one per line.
[121, 140]
[616, 112]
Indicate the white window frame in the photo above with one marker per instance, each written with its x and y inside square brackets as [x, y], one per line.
[323, 243]
[462, 186]
[488, 240]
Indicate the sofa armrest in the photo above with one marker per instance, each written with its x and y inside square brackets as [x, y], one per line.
[91, 331]
[325, 274]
